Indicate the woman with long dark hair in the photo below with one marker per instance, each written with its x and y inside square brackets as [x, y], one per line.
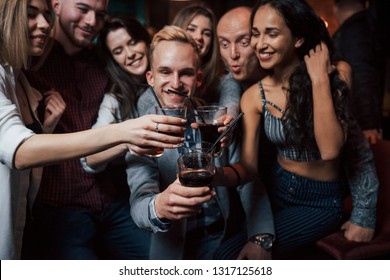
[125, 46]
[24, 139]
[304, 105]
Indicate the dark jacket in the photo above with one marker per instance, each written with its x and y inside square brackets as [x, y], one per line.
[354, 43]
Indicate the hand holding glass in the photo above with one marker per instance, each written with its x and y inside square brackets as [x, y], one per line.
[174, 111]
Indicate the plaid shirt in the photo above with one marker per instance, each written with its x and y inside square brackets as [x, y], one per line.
[82, 82]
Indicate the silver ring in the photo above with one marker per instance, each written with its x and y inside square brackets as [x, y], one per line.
[157, 124]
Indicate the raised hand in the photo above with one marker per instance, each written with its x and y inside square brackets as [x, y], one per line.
[54, 108]
[318, 62]
[153, 131]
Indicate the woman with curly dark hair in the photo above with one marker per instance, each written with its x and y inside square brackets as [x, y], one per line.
[304, 105]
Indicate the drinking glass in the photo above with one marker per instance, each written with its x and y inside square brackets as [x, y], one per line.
[196, 168]
[209, 119]
[202, 146]
[174, 111]
[178, 111]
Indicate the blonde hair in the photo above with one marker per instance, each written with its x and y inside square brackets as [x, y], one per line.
[14, 38]
[174, 34]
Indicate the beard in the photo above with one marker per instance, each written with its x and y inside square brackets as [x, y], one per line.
[77, 42]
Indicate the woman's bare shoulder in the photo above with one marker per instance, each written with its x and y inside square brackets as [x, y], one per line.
[251, 92]
[251, 98]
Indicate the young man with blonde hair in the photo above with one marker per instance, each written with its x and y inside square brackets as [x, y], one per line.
[184, 225]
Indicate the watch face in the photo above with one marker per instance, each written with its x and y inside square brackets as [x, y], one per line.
[266, 243]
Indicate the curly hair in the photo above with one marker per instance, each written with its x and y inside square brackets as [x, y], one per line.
[304, 23]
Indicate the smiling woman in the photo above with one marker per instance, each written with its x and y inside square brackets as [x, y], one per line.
[125, 46]
[294, 47]
[19, 103]
[24, 32]
[200, 23]
[39, 23]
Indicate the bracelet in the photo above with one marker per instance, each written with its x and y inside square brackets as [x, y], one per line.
[237, 174]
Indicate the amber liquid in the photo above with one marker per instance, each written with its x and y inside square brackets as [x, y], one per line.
[158, 152]
[196, 178]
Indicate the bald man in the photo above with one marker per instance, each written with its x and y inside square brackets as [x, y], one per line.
[233, 32]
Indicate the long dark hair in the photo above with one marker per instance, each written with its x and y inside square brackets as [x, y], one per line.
[126, 87]
[304, 23]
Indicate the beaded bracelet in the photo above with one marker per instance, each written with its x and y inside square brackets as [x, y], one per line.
[237, 174]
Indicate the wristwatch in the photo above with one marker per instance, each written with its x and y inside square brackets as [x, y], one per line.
[263, 240]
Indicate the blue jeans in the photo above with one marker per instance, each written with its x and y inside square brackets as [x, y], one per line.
[76, 234]
[305, 210]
